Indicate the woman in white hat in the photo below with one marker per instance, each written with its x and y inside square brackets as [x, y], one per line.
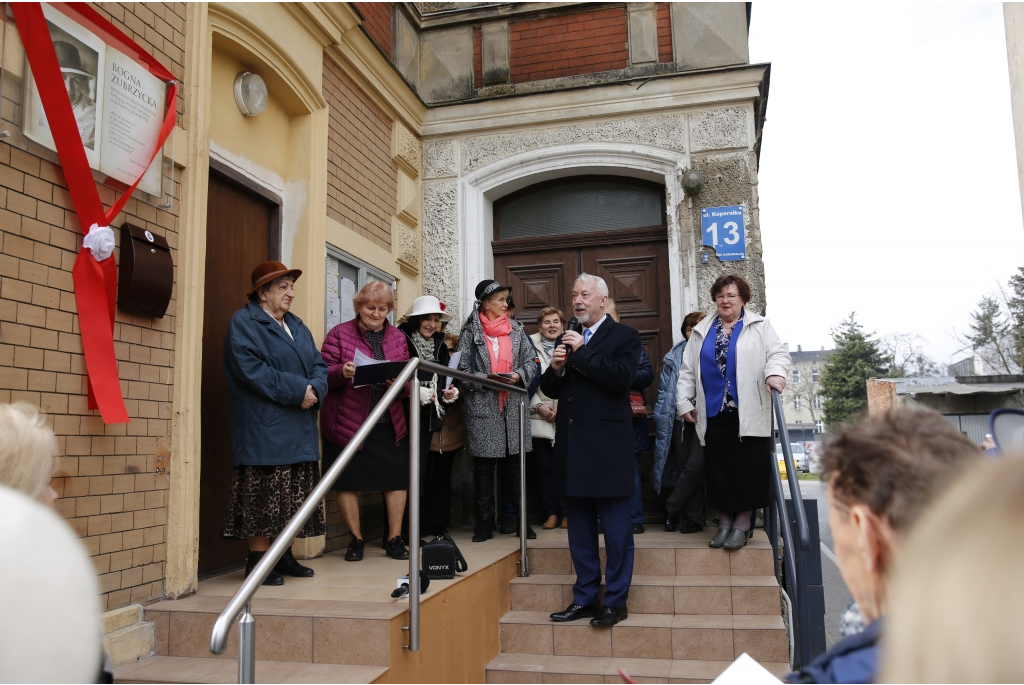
[424, 327]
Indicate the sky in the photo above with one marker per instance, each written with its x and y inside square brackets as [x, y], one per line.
[888, 178]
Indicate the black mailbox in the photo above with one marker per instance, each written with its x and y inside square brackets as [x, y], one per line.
[146, 273]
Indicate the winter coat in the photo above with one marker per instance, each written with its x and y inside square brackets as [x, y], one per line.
[760, 353]
[853, 659]
[665, 410]
[539, 428]
[644, 377]
[347, 407]
[594, 443]
[267, 373]
[429, 420]
[492, 433]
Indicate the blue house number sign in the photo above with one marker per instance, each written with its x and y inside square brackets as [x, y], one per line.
[723, 229]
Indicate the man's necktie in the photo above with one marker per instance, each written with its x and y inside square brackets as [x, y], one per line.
[586, 335]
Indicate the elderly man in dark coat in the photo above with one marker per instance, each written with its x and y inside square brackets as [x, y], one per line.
[594, 449]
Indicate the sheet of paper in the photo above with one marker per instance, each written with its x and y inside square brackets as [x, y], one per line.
[745, 671]
[362, 359]
[453, 363]
[348, 291]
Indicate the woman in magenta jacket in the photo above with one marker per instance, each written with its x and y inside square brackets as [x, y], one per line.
[382, 462]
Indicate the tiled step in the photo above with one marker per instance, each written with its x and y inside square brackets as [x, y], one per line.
[666, 555]
[649, 636]
[294, 630]
[648, 594]
[170, 669]
[533, 668]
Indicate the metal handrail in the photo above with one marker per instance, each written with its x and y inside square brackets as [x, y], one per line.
[240, 605]
[795, 566]
[483, 381]
[802, 529]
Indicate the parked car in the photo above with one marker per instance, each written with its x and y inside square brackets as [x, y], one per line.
[799, 456]
[814, 458]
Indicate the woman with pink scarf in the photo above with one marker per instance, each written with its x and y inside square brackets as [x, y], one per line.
[495, 346]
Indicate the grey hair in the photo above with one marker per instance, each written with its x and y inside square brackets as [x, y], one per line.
[27, 450]
[602, 287]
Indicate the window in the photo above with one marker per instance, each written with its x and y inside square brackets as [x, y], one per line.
[819, 427]
[796, 376]
[814, 375]
[798, 403]
[817, 401]
[346, 275]
[582, 204]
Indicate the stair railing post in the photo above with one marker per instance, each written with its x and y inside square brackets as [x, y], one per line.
[524, 564]
[414, 512]
[247, 646]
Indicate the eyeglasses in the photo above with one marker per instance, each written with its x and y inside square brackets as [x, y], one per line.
[721, 297]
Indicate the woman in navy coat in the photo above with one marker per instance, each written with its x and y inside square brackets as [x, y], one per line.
[276, 381]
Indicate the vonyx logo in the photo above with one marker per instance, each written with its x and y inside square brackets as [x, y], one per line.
[440, 567]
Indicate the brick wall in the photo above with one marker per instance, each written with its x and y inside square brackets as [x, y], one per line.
[664, 33]
[568, 45]
[478, 58]
[362, 181]
[377, 22]
[881, 396]
[106, 476]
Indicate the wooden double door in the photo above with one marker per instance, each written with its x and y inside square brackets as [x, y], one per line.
[634, 264]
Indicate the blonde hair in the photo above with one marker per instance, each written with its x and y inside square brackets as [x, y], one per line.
[374, 291]
[27, 448]
[612, 310]
[956, 597]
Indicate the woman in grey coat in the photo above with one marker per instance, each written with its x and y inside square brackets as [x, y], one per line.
[492, 345]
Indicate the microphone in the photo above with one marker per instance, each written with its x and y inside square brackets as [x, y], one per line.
[572, 325]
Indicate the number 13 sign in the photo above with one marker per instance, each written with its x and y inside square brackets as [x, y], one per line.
[722, 228]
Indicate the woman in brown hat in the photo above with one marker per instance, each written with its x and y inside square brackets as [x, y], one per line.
[276, 382]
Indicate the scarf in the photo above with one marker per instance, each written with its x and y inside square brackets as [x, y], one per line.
[500, 328]
[548, 346]
[425, 351]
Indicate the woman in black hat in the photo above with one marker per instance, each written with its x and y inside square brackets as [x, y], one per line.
[491, 344]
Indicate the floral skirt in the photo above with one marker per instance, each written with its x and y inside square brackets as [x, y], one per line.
[264, 498]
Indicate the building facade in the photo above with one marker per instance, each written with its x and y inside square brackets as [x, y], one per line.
[427, 145]
[801, 400]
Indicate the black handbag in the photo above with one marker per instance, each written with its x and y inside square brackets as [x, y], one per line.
[441, 558]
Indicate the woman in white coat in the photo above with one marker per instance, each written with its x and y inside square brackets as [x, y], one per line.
[729, 364]
[543, 409]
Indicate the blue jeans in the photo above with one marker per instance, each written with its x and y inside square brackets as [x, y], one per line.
[636, 502]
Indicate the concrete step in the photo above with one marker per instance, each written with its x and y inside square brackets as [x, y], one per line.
[652, 594]
[533, 668]
[649, 636]
[664, 554]
[171, 669]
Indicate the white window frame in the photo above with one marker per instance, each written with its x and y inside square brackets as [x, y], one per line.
[817, 401]
[366, 273]
[796, 376]
[797, 403]
[819, 426]
[814, 375]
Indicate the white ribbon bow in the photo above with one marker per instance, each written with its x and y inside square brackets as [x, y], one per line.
[100, 241]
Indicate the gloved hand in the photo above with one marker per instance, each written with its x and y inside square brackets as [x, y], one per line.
[426, 395]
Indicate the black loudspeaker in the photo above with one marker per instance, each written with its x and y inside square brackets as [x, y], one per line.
[441, 558]
[145, 274]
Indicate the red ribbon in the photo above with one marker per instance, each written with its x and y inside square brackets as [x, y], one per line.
[95, 282]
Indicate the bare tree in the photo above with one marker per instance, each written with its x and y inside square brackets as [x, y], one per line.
[906, 356]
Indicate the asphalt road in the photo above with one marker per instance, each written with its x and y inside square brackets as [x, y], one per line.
[837, 596]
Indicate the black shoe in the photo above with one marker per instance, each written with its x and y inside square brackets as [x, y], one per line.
[273, 578]
[396, 549]
[508, 525]
[638, 528]
[737, 538]
[600, 529]
[530, 533]
[355, 550]
[574, 612]
[719, 538]
[288, 565]
[691, 526]
[483, 532]
[609, 616]
[670, 522]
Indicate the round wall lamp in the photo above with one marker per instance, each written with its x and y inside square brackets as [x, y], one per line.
[250, 94]
[693, 182]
